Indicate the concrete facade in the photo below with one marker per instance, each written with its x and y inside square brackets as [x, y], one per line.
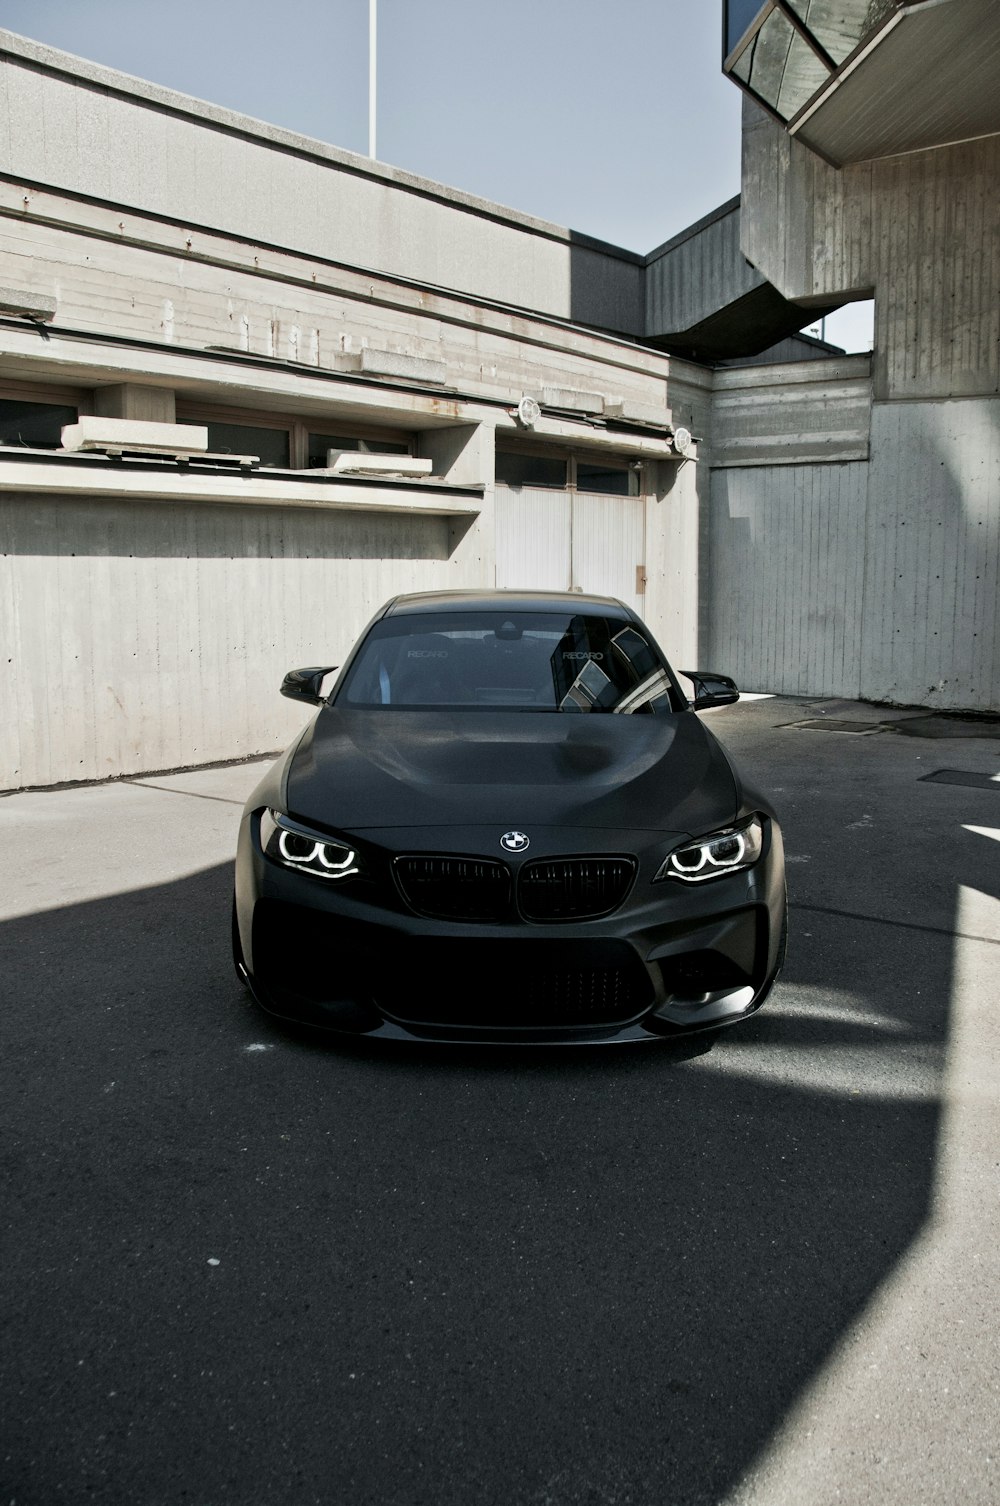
[164, 262]
[911, 549]
[150, 606]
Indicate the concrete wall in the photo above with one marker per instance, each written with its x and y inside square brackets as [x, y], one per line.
[792, 414]
[136, 277]
[920, 231]
[69, 122]
[913, 536]
[148, 636]
[690, 277]
[190, 256]
[875, 580]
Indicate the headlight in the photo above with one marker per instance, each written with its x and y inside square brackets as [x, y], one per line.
[294, 846]
[710, 857]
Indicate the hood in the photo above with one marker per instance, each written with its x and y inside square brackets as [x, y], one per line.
[381, 768]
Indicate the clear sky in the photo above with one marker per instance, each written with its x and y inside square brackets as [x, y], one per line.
[607, 116]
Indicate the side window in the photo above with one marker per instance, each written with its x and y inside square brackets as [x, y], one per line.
[36, 426]
[515, 468]
[319, 444]
[247, 439]
[605, 476]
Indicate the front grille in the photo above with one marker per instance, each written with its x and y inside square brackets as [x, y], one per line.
[573, 888]
[447, 888]
[516, 985]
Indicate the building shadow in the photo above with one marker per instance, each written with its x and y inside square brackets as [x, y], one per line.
[251, 1265]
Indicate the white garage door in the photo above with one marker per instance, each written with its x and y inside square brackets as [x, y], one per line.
[560, 541]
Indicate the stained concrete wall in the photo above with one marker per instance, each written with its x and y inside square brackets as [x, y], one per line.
[920, 231]
[73, 123]
[871, 579]
[894, 564]
[149, 636]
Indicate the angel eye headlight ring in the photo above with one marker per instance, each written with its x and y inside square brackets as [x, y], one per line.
[728, 851]
[295, 846]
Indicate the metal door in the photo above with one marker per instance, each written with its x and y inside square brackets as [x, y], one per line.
[560, 541]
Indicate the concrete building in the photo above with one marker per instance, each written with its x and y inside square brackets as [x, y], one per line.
[251, 385]
[871, 168]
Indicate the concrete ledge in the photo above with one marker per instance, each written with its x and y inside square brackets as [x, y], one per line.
[40, 306]
[74, 480]
[99, 433]
[395, 363]
[360, 463]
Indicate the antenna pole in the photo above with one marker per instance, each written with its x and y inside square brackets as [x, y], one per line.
[372, 73]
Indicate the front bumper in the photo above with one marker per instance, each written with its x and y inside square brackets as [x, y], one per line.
[672, 959]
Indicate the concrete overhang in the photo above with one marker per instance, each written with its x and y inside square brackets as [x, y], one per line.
[927, 78]
[83, 477]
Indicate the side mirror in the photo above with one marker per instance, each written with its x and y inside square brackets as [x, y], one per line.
[306, 684]
[711, 689]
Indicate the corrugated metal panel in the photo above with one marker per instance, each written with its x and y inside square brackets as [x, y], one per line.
[785, 577]
[787, 415]
[608, 545]
[932, 586]
[151, 636]
[533, 539]
[555, 541]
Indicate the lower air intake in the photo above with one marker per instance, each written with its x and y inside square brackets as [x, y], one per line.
[512, 985]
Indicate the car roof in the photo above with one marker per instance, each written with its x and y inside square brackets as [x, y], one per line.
[501, 600]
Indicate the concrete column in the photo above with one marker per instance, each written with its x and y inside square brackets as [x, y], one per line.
[132, 400]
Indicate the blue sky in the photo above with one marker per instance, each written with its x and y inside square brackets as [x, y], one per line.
[611, 118]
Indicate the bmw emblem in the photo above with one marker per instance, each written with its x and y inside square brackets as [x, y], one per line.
[514, 841]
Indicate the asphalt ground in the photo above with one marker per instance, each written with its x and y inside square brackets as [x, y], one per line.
[245, 1266]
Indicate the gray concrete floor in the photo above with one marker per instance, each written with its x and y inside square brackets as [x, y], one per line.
[763, 1270]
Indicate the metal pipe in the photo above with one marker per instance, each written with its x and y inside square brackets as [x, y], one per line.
[372, 71]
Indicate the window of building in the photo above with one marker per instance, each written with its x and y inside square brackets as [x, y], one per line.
[605, 476]
[319, 444]
[518, 468]
[272, 445]
[739, 14]
[781, 67]
[783, 51]
[609, 474]
[32, 424]
[287, 443]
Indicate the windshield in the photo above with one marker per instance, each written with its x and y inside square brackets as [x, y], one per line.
[524, 661]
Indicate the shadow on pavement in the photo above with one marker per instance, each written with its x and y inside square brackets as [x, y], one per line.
[248, 1267]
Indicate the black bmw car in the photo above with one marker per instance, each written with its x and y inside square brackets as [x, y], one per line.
[506, 823]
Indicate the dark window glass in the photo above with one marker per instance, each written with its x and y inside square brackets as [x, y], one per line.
[515, 469]
[320, 443]
[244, 439]
[517, 661]
[839, 25]
[780, 66]
[37, 426]
[739, 14]
[602, 478]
